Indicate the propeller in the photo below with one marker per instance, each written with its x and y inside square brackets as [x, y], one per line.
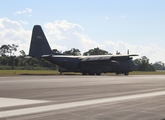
[128, 52]
[131, 54]
[117, 53]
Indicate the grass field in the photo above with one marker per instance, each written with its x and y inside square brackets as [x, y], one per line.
[28, 72]
[55, 72]
[147, 73]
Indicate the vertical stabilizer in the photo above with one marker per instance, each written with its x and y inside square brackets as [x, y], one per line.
[39, 45]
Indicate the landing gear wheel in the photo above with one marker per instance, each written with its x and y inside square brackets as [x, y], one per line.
[126, 73]
[91, 74]
[117, 73]
[98, 73]
[84, 73]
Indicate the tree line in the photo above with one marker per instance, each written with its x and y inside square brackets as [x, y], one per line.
[8, 60]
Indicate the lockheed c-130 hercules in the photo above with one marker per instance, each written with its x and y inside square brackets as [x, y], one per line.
[87, 65]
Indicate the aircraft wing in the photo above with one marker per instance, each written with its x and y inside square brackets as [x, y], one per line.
[105, 57]
[124, 56]
[92, 58]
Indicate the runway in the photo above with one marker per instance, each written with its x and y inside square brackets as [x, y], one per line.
[82, 97]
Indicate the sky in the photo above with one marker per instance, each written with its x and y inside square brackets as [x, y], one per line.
[111, 25]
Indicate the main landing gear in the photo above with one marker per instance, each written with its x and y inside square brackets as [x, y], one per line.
[91, 73]
[126, 73]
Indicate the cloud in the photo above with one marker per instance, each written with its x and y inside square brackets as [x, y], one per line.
[11, 32]
[68, 34]
[64, 35]
[23, 22]
[27, 12]
[8, 24]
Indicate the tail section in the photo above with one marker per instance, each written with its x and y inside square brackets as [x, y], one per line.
[39, 45]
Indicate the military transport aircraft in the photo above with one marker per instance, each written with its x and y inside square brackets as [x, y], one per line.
[91, 65]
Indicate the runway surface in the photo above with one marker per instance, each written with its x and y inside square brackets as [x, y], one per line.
[71, 97]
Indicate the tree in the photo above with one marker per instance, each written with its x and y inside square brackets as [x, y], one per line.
[57, 51]
[12, 48]
[22, 53]
[159, 65]
[4, 49]
[73, 51]
[95, 51]
[20, 62]
[144, 64]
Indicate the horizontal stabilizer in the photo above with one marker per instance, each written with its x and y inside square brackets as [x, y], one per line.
[44, 56]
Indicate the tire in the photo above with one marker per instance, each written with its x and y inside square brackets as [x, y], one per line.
[91, 74]
[84, 73]
[117, 73]
[98, 73]
[126, 73]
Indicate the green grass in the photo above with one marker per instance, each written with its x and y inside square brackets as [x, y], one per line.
[147, 73]
[55, 72]
[28, 72]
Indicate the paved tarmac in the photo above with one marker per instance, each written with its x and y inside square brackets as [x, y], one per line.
[73, 97]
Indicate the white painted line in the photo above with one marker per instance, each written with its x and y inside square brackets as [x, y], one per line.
[9, 102]
[40, 109]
